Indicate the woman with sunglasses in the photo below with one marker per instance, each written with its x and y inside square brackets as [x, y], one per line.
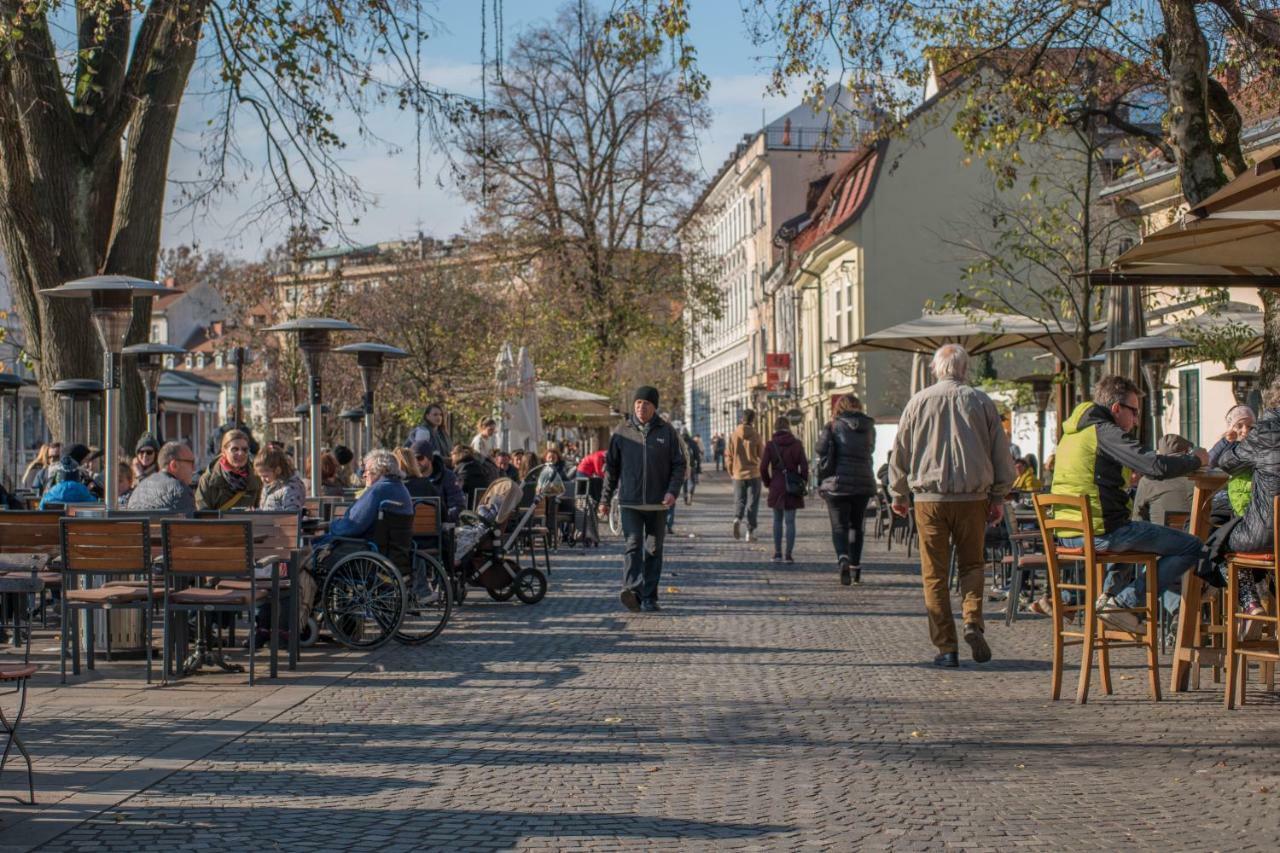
[144, 457]
[230, 481]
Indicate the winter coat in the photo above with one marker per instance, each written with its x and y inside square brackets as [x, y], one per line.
[844, 452]
[421, 487]
[284, 495]
[66, 492]
[214, 492]
[693, 453]
[783, 453]
[474, 475]
[742, 454]
[447, 487]
[1094, 458]
[643, 463]
[1259, 452]
[162, 492]
[439, 441]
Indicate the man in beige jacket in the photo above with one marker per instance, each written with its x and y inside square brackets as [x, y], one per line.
[952, 453]
[742, 460]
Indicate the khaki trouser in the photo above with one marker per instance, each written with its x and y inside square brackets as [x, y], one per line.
[940, 523]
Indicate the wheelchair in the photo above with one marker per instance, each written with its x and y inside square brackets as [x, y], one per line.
[370, 591]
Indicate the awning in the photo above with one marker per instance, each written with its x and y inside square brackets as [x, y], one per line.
[1231, 239]
[572, 403]
[978, 333]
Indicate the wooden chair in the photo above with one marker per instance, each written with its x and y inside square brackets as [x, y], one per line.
[1094, 635]
[17, 675]
[29, 545]
[277, 541]
[1022, 562]
[220, 550]
[103, 548]
[1240, 649]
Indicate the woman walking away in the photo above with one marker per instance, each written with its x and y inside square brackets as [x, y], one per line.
[846, 482]
[784, 467]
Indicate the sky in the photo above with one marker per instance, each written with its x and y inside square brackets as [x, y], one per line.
[452, 60]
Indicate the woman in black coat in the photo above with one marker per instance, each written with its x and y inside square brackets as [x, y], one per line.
[846, 481]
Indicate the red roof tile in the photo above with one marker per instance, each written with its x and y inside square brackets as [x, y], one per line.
[843, 200]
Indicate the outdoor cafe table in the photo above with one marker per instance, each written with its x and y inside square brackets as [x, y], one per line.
[1187, 653]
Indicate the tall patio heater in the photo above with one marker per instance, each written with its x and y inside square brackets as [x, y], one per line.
[303, 411]
[352, 421]
[371, 357]
[10, 386]
[1155, 355]
[113, 299]
[1041, 387]
[150, 358]
[76, 396]
[1243, 384]
[313, 339]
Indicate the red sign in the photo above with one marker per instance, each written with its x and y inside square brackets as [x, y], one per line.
[777, 371]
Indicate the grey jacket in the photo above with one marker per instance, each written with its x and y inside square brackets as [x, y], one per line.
[283, 495]
[163, 492]
[951, 446]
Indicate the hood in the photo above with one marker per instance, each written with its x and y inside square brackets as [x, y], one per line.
[746, 431]
[784, 439]
[1085, 415]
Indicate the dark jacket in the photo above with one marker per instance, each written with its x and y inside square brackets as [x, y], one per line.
[447, 486]
[783, 453]
[421, 487]
[695, 453]
[362, 516]
[1094, 458]
[214, 492]
[1260, 452]
[844, 455]
[643, 464]
[474, 474]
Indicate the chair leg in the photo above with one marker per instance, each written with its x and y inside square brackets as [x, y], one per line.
[89, 650]
[1086, 656]
[1056, 678]
[275, 624]
[1229, 612]
[1154, 632]
[1011, 603]
[1104, 665]
[63, 634]
[146, 635]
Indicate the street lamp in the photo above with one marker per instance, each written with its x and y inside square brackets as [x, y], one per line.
[112, 301]
[371, 357]
[353, 418]
[1243, 384]
[1041, 387]
[313, 339]
[150, 358]
[1156, 354]
[11, 384]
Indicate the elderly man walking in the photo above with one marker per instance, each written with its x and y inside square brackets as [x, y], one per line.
[952, 454]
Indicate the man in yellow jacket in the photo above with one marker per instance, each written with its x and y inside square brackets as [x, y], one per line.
[742, 460]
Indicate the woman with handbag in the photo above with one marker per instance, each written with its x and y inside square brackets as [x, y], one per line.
[785, 468]
[846, 482]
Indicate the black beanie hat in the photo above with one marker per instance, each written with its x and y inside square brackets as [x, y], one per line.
[147, 440]
[646, 392]
[77, 452]
[343, 454]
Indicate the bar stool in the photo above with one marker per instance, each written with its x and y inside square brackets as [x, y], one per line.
[1094, 634]
[1265, 649]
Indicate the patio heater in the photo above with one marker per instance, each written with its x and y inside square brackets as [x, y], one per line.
[73, 394]
[240, 356]
[1041, 388]
[303, 411]
[1243, 384]
[1155, 353]
[112, 300]
[371, 357]
[10, 385]
[150, 358]
[313, 339]
[352, 419]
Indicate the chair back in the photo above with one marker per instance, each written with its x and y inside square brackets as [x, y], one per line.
[338, 510]
[93, 510]
[320, 507]
[426, 517]
[106, 546]
[208, 547]
[393, 536]
[1177, 519]
[30, 532]
[276, 531]
[1082, 528]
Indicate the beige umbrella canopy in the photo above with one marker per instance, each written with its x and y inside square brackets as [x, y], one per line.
[1231, 239]
[978, 333]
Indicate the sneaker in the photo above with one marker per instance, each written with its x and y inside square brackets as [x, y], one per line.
[857, 575]
[1117, 617]
[777, 558]
[846, 577]
[752, 537]
[630, 600]
[650, 607]
[977, 643]
[737, 528]
[949, 659]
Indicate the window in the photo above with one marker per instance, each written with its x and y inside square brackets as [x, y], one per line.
[1189, 405]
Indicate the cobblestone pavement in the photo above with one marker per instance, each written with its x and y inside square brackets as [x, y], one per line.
[767, 707]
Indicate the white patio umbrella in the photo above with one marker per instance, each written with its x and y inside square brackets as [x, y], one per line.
[505, 380]
[978, 333]
[526, 420]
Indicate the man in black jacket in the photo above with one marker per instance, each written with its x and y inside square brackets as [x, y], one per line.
[645, 466]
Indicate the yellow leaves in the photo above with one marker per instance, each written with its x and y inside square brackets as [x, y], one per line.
[613, 720]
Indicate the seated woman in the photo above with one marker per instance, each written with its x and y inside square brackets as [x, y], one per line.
[417, 485]
[66, 484]
[1250, 453]
[331, 484]
[382, 486]
[282, 488]
[1026, 481]
[230, 482]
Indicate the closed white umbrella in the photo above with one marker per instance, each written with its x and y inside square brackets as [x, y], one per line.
[505, 381]
[530, 410]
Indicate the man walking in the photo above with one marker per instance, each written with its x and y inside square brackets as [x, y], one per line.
[742, 460]
[645, 466]
[951, 452]
[717, 450]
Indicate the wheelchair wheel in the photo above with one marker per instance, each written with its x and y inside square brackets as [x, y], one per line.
[615, 517]
[364, 600]
[425, 615]
[530, 586]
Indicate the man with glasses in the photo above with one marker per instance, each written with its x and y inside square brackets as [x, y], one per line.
[1094, 458]
[169, 489]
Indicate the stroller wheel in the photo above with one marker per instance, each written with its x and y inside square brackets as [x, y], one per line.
[459, 589]
[506, 593]
[508, 570]
[531, 586]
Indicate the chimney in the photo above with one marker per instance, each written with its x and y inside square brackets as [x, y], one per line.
[215, 329]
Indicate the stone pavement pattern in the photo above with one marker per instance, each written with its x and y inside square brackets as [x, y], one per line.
[766, 708]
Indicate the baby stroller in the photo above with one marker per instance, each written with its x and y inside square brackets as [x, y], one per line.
[484, 540]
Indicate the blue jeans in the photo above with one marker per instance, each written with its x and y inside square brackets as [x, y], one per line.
[1178, 552]
[746, 499]
[644, 531]
[781, 517]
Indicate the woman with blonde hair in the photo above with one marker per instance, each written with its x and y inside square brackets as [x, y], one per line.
[47, 457]
[230, 481]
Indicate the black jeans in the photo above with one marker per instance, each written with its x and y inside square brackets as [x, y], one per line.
[746, 500]
[643, 565]
[848, 514]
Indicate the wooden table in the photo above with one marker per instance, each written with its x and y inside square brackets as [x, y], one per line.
[1187, 654]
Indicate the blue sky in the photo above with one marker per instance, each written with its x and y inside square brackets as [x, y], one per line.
[451, 60]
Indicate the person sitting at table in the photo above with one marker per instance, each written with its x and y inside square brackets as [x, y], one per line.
[432, 466]
[1026, 480]
[1156, 498]
[230, 482]
[169, 489]
[474, 473]
[282, 488]
[66, 485]
[331, 483]
[1094, 455]
[417, 485]
[124, 471]
[382, 486]
[1251, 456]
[144, 457]
[1233, 498]
[502, 459]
